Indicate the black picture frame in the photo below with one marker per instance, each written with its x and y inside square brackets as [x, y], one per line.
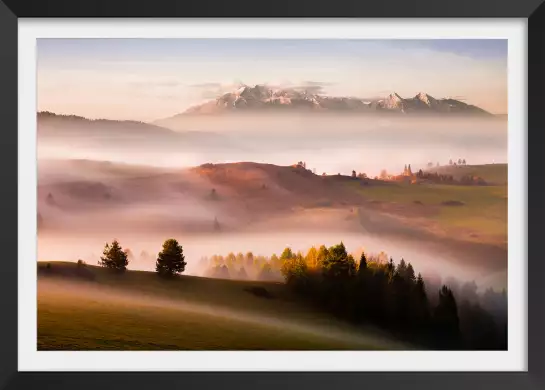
[11, 10]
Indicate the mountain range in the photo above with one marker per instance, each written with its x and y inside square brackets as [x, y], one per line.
[260, 97]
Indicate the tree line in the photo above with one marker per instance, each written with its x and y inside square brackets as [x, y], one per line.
[449, 179]
[242, 267]
[392, 296]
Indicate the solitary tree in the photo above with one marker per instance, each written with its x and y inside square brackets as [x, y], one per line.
[450, 162]
[114, 257]
[459, 161]
[353, 173]
[171, 260]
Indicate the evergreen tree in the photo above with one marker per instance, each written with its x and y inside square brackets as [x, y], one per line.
[446, 318]
[338, 265]
[402, 269]
[171, 260]
[390, 269]
[286, 254]
[362, 267]
[410, 273]
[420, 305]
[114, 257]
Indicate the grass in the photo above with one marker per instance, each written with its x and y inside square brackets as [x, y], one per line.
[92, 315]
[484, 209]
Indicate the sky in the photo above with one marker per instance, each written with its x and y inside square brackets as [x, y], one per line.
[148, 79]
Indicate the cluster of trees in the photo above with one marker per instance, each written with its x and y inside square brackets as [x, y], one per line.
[460, 162]
[242, 266]
[472, 180]
[449, 179]
[435, 177]
[430, 164]
[392, 296]
[170, 260]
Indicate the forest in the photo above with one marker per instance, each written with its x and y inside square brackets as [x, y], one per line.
[373, 290]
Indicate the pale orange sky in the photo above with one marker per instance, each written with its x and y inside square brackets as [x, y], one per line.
[147, 79]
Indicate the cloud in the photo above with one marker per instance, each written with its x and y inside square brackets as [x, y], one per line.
[314, 87]
[206, 85]
[318, 83]
[212, 90]
[156, 84]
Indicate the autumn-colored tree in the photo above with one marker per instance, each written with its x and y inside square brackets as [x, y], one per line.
[312, 257]
[287, 254]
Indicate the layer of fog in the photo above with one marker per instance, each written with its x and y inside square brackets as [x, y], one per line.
[142, 214]
[140, 301]
[332, 144]
[427, 258]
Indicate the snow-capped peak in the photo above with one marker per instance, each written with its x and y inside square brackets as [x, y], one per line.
[424, 97]
[241, 90]
[395, 97]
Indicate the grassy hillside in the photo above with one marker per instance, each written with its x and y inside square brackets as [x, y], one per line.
[82, 308]
[244, 193]
[474, 213]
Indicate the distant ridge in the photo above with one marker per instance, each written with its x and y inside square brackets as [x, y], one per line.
[260, 97]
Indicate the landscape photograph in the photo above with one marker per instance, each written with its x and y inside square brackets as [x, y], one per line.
[272, 194]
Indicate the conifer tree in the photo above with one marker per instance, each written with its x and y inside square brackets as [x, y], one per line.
[171, 260]
[114, 257]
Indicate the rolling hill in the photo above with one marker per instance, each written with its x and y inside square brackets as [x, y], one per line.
[112, 134]
[246, 193]
[90, 308]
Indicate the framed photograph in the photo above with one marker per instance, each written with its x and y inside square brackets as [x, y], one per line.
[342, 196]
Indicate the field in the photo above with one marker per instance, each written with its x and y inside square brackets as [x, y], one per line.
[471, 213]
[90, 308]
